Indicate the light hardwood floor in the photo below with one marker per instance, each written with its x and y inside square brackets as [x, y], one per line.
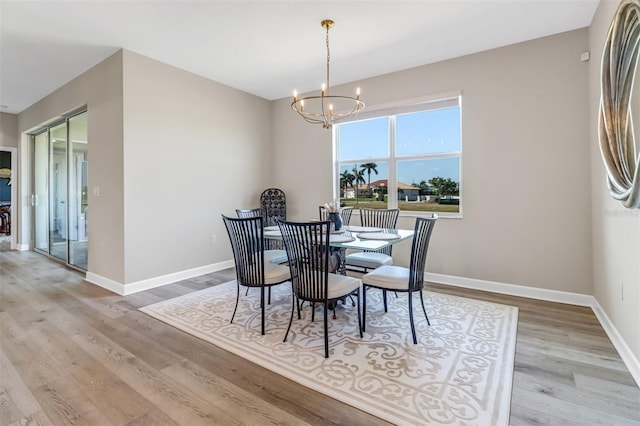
[74, 353]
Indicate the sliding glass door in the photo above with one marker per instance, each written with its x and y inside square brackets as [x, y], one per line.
[78, 207]
[60, 191]
[40, 197]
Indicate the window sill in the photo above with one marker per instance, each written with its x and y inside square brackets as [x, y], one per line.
[409, 213]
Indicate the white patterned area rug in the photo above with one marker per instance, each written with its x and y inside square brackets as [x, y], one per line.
[459, 373]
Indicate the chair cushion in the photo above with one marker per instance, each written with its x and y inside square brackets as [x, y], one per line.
[275, 256]
[341, 285]
[368, 259]
[388, 277]
[274, 274]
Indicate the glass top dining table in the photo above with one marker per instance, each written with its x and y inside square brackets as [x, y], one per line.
[354, 238]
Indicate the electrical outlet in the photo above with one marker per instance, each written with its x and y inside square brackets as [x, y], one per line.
[214, 240]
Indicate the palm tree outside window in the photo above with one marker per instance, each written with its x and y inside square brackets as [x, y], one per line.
[368, 168]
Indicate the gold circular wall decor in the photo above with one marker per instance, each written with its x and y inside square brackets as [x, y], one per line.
[619, 69]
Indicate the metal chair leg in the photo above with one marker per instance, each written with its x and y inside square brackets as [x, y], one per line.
[237, 298]
[413, 327]
[423, 309]
[384, 299]
[293, 308]
[358, 308]
[326, 332]
[364, 307]
[262, 309]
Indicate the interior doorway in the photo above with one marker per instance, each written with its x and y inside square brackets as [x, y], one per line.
[8, 162]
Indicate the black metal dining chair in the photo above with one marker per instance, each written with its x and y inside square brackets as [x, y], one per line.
[274, 255]
[274, 205]
[364, 261]
[252, 269]
[401, 279]
[307, 245]
[273, 202]
[243, 213]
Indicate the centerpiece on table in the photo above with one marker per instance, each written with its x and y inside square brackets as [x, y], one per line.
[333, 214]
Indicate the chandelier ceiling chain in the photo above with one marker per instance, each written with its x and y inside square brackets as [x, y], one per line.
[326, 109]
[327, 24]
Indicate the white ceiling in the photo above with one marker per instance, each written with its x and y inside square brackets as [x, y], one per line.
[267, 48]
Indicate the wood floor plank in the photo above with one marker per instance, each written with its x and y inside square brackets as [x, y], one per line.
[232, 400]
[177, 402]
[16, 400]
[565, 370]
[579, 356]
[63, 404]
[97, 384]
[527, 416]
[154, 418]
[27, 356]
[579, 396]
[144, 346]
[75, 353]
[562, 412]
[38, 418]
[307, 404]
[607, 389]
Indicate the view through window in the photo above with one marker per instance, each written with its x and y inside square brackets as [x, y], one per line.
[407, 157]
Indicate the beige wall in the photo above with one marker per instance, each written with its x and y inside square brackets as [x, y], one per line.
[525, 165]
[100, 89]
[8, 130]
[194, 149]
[616, 230]
[170, 152]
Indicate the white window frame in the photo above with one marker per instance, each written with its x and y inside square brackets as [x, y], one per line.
[391, 110]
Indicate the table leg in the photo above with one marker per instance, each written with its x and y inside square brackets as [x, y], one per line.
[340, 256]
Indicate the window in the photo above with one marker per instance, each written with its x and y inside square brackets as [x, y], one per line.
[405, 157]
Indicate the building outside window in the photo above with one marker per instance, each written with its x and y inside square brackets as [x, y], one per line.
[406, 157]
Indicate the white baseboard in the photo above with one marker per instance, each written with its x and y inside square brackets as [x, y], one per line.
[628, 357]
[105, 282]
[512, 289]
[22, 247]
[130, 288]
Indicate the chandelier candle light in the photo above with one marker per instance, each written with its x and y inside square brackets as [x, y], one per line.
[326, 109]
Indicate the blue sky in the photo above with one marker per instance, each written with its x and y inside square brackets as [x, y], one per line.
[427, 132]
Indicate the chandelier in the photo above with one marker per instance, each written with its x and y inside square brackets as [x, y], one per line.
[326, 109]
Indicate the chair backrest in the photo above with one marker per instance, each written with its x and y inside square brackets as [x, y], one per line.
[274, 205]
[345, 213]
[422, 235]
[247, 243]
[242, 213]
[380, 218]
[307, 246]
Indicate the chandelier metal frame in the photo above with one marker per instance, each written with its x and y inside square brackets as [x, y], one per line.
[319, 109]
